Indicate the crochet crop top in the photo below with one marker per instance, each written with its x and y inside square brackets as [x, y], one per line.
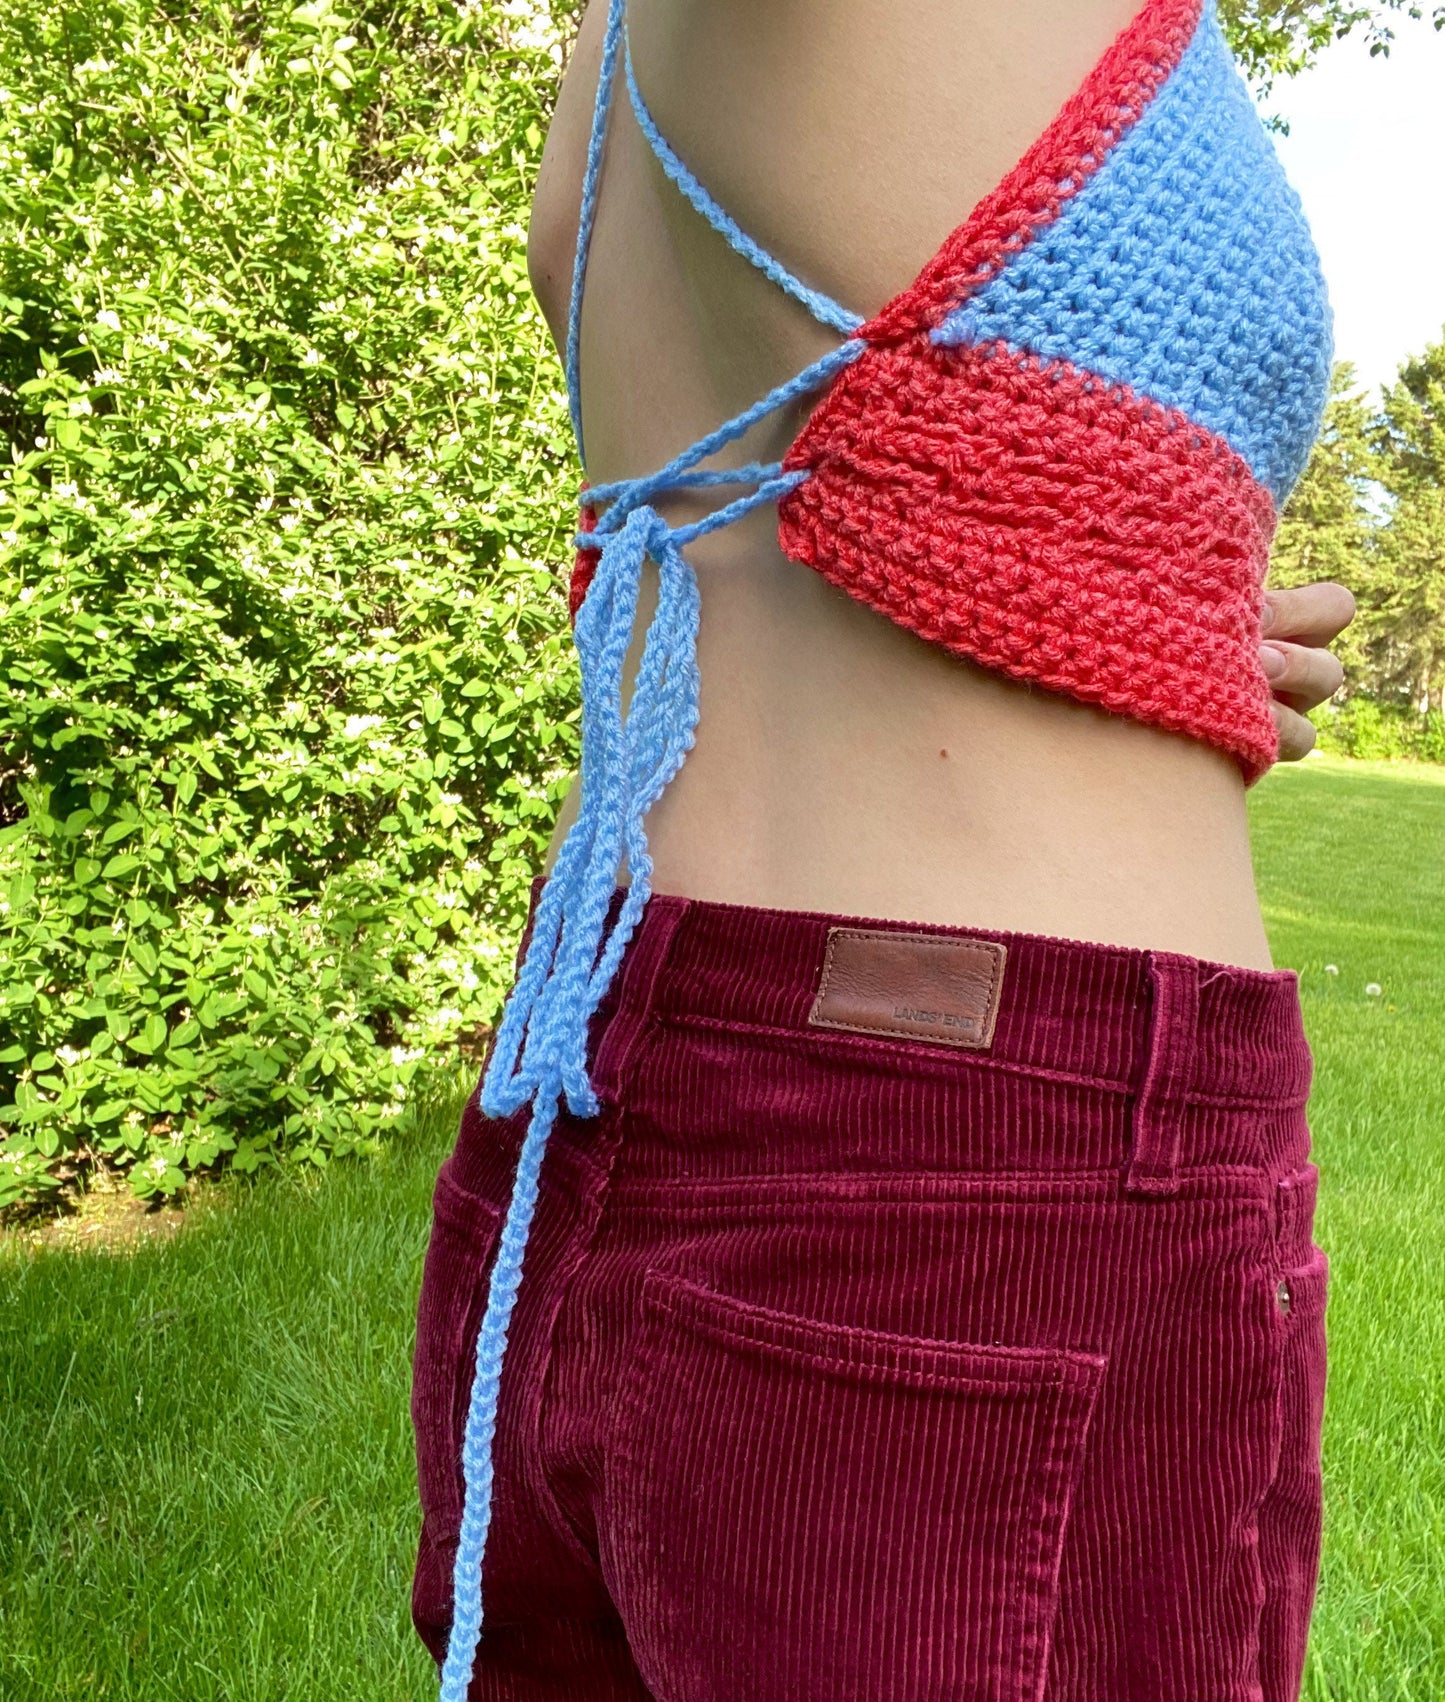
[1060, 452]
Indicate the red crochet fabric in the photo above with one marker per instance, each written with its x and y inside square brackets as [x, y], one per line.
[585, 563]
[1025, 516]
[1027, 513]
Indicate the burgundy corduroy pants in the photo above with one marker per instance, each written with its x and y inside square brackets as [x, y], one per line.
[930, 1313]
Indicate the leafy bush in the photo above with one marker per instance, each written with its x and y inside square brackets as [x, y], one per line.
[1380, 732]
[286, 697]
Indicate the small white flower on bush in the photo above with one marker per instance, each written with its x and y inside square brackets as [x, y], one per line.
[69, 1055]
[1373, 990]
[342, 894]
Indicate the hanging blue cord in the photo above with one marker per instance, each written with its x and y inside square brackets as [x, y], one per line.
[628, 758]
[626, 762]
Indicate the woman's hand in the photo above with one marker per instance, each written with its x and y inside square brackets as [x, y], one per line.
[1299, 625]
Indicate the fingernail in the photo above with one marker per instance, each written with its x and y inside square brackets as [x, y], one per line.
[1266, 617]
[1273, 660]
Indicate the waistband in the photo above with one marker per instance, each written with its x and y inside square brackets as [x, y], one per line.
[1113, 1015]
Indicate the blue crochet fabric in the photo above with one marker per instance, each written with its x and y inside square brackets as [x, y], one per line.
[1184, 269]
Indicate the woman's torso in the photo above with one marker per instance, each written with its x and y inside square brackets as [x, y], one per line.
[842, 764]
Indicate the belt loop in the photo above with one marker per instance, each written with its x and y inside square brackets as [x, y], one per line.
[636, 985]
[1159, 1103]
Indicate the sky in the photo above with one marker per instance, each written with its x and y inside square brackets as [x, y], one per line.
[1366, 151]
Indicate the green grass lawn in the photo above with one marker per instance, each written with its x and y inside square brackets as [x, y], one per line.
[1351, 858]
[205, 1457]
[208, 1491]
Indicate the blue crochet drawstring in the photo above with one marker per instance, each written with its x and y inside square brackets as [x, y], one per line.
[628, 758]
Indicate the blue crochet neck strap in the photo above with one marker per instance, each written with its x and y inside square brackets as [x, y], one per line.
[822, 307]
[631, 748]
[616, 42]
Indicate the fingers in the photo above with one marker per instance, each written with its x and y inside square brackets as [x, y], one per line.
[1302, 673]
[1299, 675]
[1308, 614]
[1296, 735]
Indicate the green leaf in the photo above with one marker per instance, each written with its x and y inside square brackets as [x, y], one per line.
[151, 1037]
[191, 612]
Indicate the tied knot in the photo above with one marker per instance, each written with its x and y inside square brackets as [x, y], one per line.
[635, 527]
[629, 754]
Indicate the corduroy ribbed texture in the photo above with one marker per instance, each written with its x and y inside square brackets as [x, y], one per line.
[852, 1368]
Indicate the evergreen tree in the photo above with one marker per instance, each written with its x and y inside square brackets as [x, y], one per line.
[1327, 525]
[1408, 641]
[1327, 530]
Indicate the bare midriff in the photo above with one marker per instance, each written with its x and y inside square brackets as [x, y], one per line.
[842, 764]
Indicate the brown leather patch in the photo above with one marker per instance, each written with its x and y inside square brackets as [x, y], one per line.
[910, 986]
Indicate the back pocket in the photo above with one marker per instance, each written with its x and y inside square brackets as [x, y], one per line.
[800, 1510]
[449, 1312]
